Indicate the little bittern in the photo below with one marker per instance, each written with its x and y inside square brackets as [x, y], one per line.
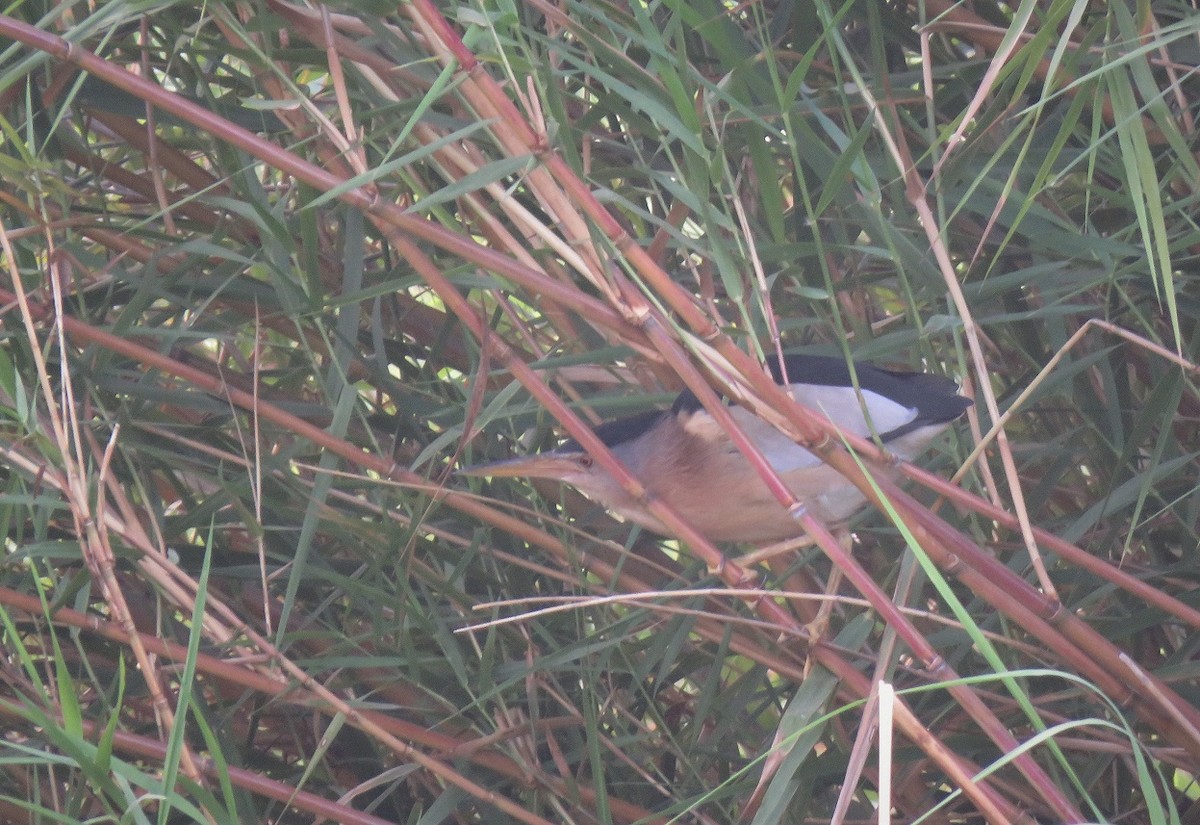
[684, 458]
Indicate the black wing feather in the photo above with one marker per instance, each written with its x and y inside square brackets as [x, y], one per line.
[934, 397]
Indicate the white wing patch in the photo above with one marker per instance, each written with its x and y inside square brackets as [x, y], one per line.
[842, 406]
[839, 404]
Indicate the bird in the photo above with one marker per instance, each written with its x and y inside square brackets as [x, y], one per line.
[683, 457]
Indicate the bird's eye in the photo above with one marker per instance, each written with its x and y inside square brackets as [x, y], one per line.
[585, 461]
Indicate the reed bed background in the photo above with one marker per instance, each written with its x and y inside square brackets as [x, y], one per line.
[273, 271]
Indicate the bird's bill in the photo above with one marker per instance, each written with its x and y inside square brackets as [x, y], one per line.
[542, 465]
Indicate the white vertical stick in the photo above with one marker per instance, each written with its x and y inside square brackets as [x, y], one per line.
[887, 699]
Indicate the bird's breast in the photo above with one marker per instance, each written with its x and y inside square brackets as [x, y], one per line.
[694, 467]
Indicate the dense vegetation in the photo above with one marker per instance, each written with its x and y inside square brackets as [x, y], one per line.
[271, 272]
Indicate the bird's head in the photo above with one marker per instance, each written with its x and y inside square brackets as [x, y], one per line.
[628, 439]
